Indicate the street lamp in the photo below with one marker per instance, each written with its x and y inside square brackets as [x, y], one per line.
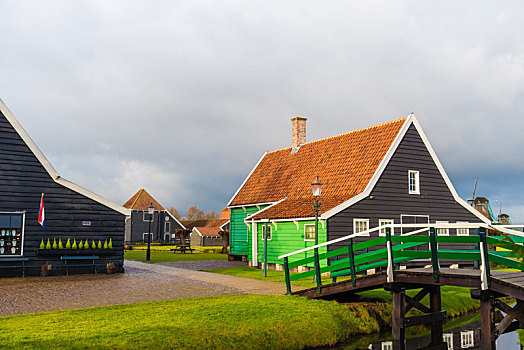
[150, 211]
[316, 187]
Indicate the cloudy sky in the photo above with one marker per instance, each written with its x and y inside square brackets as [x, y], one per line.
[183, 97]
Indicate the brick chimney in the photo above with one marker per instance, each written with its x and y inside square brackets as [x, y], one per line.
[299, 132]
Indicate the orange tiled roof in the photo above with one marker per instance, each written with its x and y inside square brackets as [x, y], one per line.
[209, 231]
[141, 200]
[344, 163]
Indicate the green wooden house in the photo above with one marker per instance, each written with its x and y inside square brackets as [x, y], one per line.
[386, 173]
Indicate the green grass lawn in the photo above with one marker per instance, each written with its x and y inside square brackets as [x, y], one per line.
[455, 300]
[167, 256]
[143, 246]
[228, 322]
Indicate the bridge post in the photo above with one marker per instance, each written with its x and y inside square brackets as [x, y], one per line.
[397, 318]
[435, 303]
[486, 323]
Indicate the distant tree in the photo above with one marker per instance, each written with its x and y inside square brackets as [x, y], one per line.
[211, 215]
[193, 213]
[174, 212]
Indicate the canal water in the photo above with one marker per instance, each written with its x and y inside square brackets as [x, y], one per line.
[460, 333]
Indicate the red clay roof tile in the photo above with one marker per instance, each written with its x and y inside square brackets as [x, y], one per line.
[141, 200]
[344, 163]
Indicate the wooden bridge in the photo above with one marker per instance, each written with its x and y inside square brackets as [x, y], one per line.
[395, 258]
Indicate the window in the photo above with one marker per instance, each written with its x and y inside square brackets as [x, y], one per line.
[442, 231]
[266, 229]
[145, 236]
[448, 339]
[467, 339]
[413, 179]
[11, 234]
[383, 222]
[146, 216]
[387, 345]
[167, 227]
[462, 231]
[309, 232]
[360, 225]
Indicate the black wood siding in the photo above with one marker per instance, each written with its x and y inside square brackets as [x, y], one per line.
[22, 181]
[391, 197]
[139, 226]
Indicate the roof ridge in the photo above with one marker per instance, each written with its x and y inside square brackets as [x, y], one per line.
[346, 133]
[137, 196]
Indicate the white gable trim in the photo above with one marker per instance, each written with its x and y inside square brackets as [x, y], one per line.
[224, 224]
[49, 168]
[197, 231]
[376, 175]
[178, 222]
[243, 183]
[367, 191]
[266, 208]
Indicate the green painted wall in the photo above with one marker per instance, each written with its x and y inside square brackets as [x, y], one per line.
[238, 231]
[287, 238]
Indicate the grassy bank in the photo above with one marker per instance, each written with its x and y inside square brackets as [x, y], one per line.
[167, 256]
[455, 300]
[243, 322]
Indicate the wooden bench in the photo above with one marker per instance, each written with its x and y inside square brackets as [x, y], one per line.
[66, 259]
[13, 260]
[182, 249]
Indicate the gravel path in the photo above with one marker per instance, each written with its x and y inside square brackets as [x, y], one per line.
[205, 264]
[141, 283]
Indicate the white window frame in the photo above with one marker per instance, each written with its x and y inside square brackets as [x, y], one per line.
[22, 236]
[262, 233]
[355, 220]
[167, 227]
[382, 222]
[448, 339]
[145, 212]
[309, 239]
[467, 339]
[144, 236]
[442, 231]
[386, 345]
[416, 189]
[459, 230]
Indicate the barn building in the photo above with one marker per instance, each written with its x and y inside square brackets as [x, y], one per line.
[81, 232]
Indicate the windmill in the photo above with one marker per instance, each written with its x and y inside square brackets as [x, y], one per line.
[472, 200]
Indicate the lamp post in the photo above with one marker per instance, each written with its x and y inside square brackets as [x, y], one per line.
[150, 211]
[265, 247]
[316, 187]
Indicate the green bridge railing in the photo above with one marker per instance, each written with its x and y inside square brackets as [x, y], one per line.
[390, 251]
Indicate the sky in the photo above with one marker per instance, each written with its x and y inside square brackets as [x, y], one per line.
[183, 97]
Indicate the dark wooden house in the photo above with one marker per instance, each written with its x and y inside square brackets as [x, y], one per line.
[163, 224]
[386, 173]
[72, 214]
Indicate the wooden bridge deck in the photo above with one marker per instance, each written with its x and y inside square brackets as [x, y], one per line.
[510, 283]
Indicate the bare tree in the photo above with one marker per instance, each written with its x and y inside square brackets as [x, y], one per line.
[225, 241]
[211, 215]
[174, 212]
[193, 213]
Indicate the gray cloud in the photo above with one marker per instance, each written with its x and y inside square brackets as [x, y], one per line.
[183, 97]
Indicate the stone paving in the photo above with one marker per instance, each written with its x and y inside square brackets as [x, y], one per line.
[141, 283]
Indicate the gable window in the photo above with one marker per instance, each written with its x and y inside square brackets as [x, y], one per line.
[360, 225]
[147, 216]
[462, 231]
[11, 234]
[167, 227]
[448, 339]
[309, 233]
[467, 339]
[266, 230]
[442, 231]
[414, 183]
[383, 222]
